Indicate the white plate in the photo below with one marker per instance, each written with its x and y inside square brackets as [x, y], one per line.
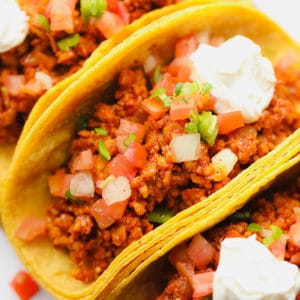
[284, 12]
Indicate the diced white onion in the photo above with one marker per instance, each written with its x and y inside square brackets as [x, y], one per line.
[225, 158]
[186, 147]
[116, 190]
[150, 63]
[44, 79]
[82, 185]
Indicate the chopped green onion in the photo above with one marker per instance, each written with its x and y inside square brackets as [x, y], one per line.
[157, 74]
[68, 42]
[160, 216]
[190, 88]
[276, 234]
[129, 139]
[43, 22]
[191, 127]
[178, 88]
[161, 95]
[254, 227]
[92, 8]
[82, 122]
[101, 131]
[208, 127]
[206, 88]
[71, 197]
[103, 151]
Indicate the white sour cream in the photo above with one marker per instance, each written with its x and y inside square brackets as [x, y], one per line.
[241, 78]
[248, 270]
[13, 25]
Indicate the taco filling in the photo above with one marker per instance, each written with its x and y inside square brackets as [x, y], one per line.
[176, 133]
[46, 41]
[254, 254]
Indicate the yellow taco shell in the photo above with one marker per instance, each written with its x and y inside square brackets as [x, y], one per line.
[7, 150]
[44, 148]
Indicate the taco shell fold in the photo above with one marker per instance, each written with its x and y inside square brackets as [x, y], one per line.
[44, 148]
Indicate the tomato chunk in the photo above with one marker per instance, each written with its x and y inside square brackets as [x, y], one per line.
[136, 154]
[105, 215]
[109, 24]
[181, 108]
[24, 285]
[31, 228]
[119, 8]
[200, 251]
[59, 183]
[186, 46]
[127, 127]
[121, 166]
[203, 284]
[230, 121]
[83, 161]
[154, 107]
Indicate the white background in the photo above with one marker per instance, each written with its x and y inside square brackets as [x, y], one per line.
[284, 12]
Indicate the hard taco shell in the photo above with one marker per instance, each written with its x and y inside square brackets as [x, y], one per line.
[44, 148]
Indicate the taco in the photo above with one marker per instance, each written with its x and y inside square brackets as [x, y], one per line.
[253, 254]
[39, 64]
[140, 161]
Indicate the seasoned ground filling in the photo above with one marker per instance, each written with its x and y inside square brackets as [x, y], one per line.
[40, 53]
[160, 182]
[276, 208]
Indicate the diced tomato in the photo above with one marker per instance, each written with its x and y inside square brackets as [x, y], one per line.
[230, 121]
[295, 259]
[105, 215]
[200, 251]
[209, 103]
[127, 127]
[13, 83]
[294, 234]
[136, 154]
[109, 24]
[119, 8]
[154, 107]
[24, 285]
[180, 68]
[278, 248]
[31, 228]
[59, 183]
[186, 270]
[203, 284]
[121, 166]
[33, 87]
[178, 254]
[182, 107]
[83, 161]
[60, 13]
[186, 46]
[168, 83]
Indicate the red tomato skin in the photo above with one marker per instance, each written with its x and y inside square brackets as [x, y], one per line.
[121, 166]
[278, 248]
[109, 24]
[31, 228]
[186, 46]
[136, 154]
[105, 215]
[180, 110]
[59, 184]
[230, 121]
[24, 285]
[83, 161]
[119, 8]
[126, 127]
[203, 284]
[154, 107]
[200, 251]
[167, 82]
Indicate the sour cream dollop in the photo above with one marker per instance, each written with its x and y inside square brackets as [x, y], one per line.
[248, 270]
[241, 78]
[13, 25]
